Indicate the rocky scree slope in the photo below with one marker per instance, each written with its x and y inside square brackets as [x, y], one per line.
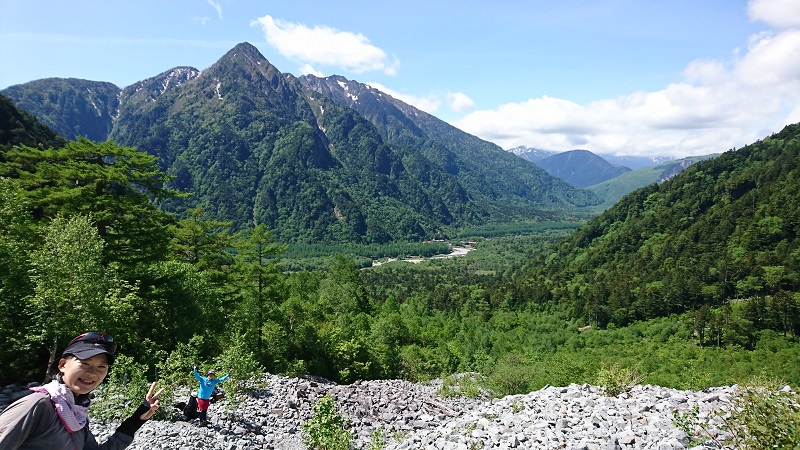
[412, 416]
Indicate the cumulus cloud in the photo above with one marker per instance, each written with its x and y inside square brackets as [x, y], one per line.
[326, 46]
[308, 69]
[715, 106]
[459, 101]
[777, 13]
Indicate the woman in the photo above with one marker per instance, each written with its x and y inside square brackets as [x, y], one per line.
[207, 385]
[55, 416]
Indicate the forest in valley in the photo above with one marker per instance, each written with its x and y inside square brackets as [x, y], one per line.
[691, 283]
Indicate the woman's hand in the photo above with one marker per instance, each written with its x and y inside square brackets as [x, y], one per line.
[152, 399]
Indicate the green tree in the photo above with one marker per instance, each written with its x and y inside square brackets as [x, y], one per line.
[784, 311]
[700, 320]
[177, 303]
[326, 428]
[259, 282]
[17, 241]
[72, 289]
[112, 183]
[202, 242]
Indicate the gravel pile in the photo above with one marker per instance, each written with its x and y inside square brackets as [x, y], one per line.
[412, 416]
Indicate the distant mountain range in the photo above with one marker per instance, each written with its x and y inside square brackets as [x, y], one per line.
[580, 168]
[607, 176]
[613, 189]
[631, 162]
[315, 159]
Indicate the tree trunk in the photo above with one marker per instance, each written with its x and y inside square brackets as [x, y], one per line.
[52, 350]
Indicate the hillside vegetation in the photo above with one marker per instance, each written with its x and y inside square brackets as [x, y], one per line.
[17, 127]
[254, 145]
[72, 107]
[724, 229]
[692, 283]
[611, 191]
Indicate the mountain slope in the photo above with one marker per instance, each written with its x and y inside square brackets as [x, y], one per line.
[486, 171]
[70, 106]
[614, 189]
[723, 228]
[17, 127]
[580, 168]
[630, 161]
[256, 145]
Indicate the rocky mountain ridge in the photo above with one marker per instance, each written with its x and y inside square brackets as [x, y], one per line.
[301, 155]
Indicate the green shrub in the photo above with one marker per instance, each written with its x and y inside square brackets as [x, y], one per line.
[378, 440]
[177, 367]
[614, 380]
[241, 360]
[124, 390]
[516, 373]
[246, 372]
[325, 430]
[463, 385]
[762, 415]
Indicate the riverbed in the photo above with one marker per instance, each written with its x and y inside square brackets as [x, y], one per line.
[457, 251]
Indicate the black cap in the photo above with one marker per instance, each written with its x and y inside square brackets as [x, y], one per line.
[86, 349]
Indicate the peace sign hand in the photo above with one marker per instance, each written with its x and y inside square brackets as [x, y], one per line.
[151, 399]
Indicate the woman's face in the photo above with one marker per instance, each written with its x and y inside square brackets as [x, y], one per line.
[82, 376]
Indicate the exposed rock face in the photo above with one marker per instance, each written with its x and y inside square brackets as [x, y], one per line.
[411, 416]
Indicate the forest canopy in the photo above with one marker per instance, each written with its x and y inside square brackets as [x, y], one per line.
[85, 242]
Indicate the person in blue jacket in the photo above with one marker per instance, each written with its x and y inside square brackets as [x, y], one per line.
[207, 384]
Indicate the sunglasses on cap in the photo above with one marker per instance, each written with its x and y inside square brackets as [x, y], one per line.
[96, 338]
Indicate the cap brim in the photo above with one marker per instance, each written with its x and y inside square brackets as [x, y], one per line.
[85, 350]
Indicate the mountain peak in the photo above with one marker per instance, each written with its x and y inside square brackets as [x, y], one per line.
[245, 60]
[245, 50]
[580, 168]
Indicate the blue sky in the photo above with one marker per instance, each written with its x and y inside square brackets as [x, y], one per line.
[642, 77]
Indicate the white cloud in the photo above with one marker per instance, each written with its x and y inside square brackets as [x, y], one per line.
[428, 104]
[717, 105]
[326, 46]
[777, 13]
[217, 7]
[307, 69]
[459, 101]
[456, 101]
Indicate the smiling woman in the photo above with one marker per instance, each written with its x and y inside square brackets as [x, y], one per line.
[81, 376]
[55, 416]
